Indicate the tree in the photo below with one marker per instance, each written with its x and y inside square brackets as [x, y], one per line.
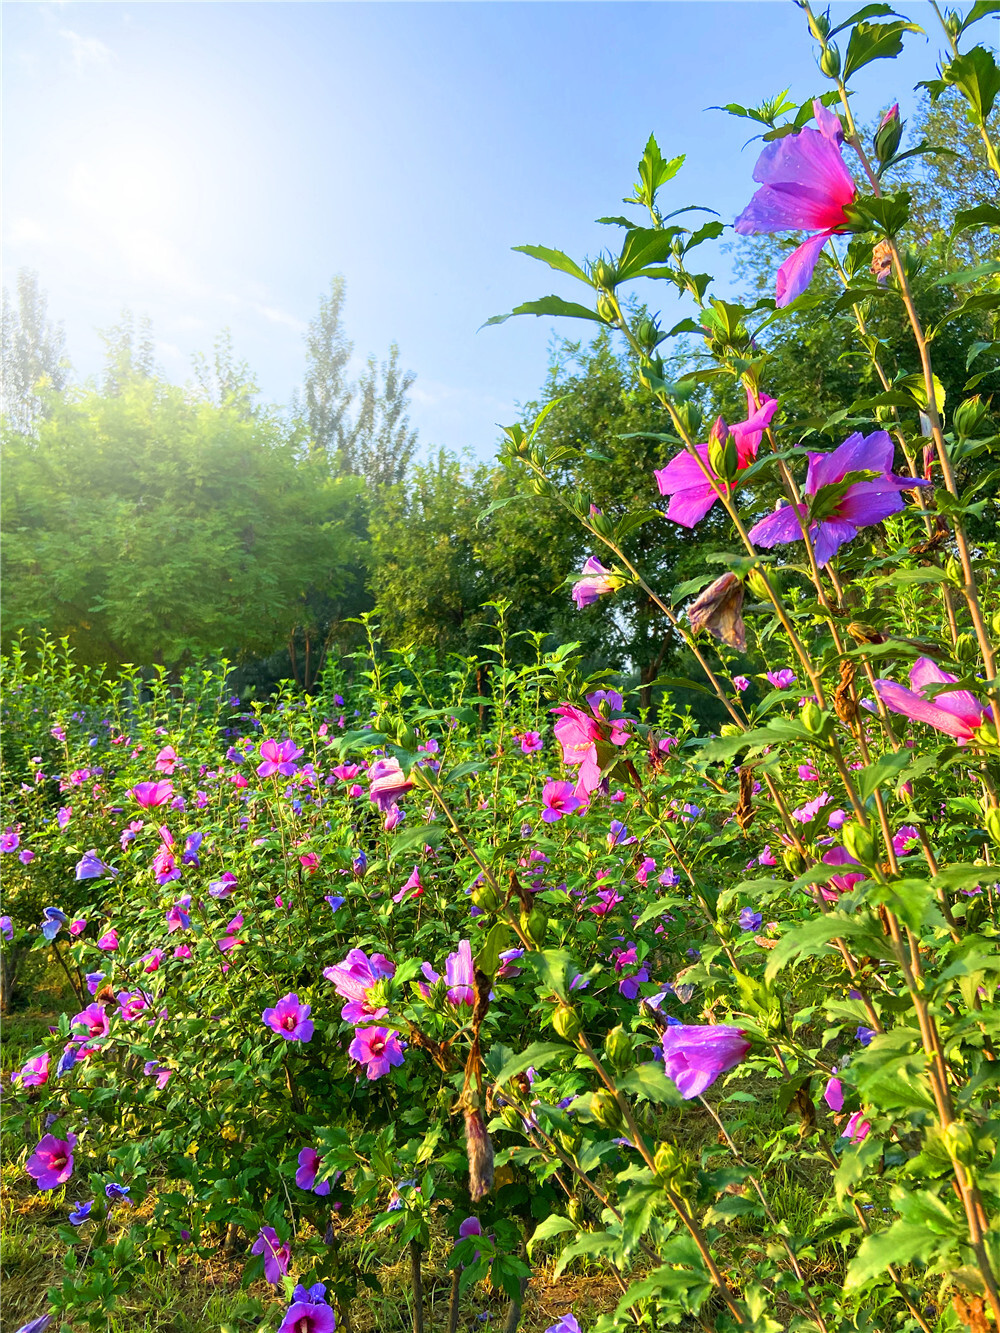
[327, 392]
[225, 381]
[149, 526]
[128, 352]
[380, 444]
[33, 354]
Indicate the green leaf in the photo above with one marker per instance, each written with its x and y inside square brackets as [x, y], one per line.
[555, 259]
[488, 957]
[975, 72]
[538, 1055]
[597, 1243]
[964, 275]
[655, 170]
[462, 771]
[405, 841]
[643, 246]
[874, 41]
[553, 1225]
[979, 10]
[548, 305]
[617, 222]
[882, 772]
[815, 937]
[868, 12]
[651, 1082]
[983, 215]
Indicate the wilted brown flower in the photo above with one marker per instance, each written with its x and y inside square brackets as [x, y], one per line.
[719, 610]
[479, 1150]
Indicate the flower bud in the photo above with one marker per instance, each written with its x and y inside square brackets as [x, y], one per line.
[859, 843]
[618, 1049]
[576, 1211]
[668, 1161]
[535, 924]
[604, 274]
[758, 585]
[794, 861]
[606, 310]
[829, 61]
[812, 718]
[406, 737]
[966, 649]
[566, 1022]
[569, 1139]
[486, 897]
[996, 622]
[606, 1111]
[953, 570]
[647, 333]
[888, 135]
[602, 524]
[969, 417]
[511, 1117]
[722, 456]
[542, 486]
[953, 24]
[991, 821]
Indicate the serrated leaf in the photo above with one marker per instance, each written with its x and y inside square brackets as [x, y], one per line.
[874, 41]
[548, 305]
[555, 259]
[649, 1081]
[407, 839]
[537, 1056]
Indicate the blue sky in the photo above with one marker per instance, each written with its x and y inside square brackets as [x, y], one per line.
[212, 165]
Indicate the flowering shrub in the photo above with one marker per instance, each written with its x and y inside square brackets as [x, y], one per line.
[546, 972]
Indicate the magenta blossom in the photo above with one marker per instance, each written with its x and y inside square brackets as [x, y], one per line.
[90, 1022]
[278, 757]
[459, 973]
[805, 186]
[305, 1177]
[846, 490]
[955, 712]
[856, 1128]
[607, 900]
[531, 742]
[833, 1093]
[276, 1254]
[377, 1048]
[906, 840]
[132, 1003]
[412, 886]
[694, 1057]
[692, 492]
[150, 794]
[290, 1019]
[223, 886]
[593, 583]
[33, 1073]
[559, 798]
[387, 783]
[309, 1311]
[838, 884]
[166, 760]
[354, 977]
[108, 941]
[51, 1164]
[580, 735]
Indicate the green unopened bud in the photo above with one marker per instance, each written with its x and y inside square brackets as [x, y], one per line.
[953, 24]
[812, 718]
[602, 524]
[991, 820]
[406, 737]
[535, 924]
[953, 570]
[606, 1111]
[722, 456]
[542, 486]
[829, 61]
[689, 414]
[730, 729]
[966, 649]
[668, 1162]
[647, 333]
[606, 310]
[618, 1049]
[566, 1022]
[970, 417]
[859, 843]
[511, 1117]
[486, 897]
[996, 622]
[888, 135]
[794, 861]
[960, 1143]
[576, 1211]
[604, 274]
[649, 369]
[758, 585]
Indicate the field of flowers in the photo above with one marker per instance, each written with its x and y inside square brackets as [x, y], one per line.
[408, 998]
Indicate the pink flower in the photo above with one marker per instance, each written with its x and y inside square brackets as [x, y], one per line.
[905, 840]
[838, 856]
[78, 926]
[412, 885]
[378, 1049]
[459, 974]
[531, 742]
[278, 758]
[559, 799]
[695, 1056]
[594, 582]
[345, 772]
[150, 794]
[166, 760]
[856, 1128]
[90, 1022]
[607, 900]
[132, 1003]
[51, 1163]
[692, 492]
[305, 1177]
[310, 861]
[387, 782]
[354, 977]
[33, 1073]
[833, 1094]
[108, 941]
[805, 186]
[290, 1019]
[955, 712]
[579, 735]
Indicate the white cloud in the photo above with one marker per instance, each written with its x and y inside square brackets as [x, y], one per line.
[86, 51]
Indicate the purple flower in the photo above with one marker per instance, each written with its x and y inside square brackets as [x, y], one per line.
[377, 1048]
[6, 927]
[618, 834]
[90, 1022]
[695, 1056]
[223, 887]
[459, 974]
[305, 1177]
[276, 1254]
[108, 941]
[53, 921]
[781, 680]
[864, 1035]
[607, 900]
[531, 742]
[594, 582]
[51, 1164]
[805, 186]
[36, 1325]
[9, 840]
[93, 980]
[26, 856]
[177, 916]
[567, 1324]
[80, 1213]
[161, 1073]
[387, 782]
[64, 815]
[906, 840]
[309, 1311]
[508, 964]
[335, 900]
[33, 1073]
[90, 866]
[354, 977]
[117, 1192]
[750, 920]
[278, 757]
[191, 847]
[856, 1128]
[290, 1019]
[833, 1094]
[558, 798]
[955, 712]
[846, 490]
